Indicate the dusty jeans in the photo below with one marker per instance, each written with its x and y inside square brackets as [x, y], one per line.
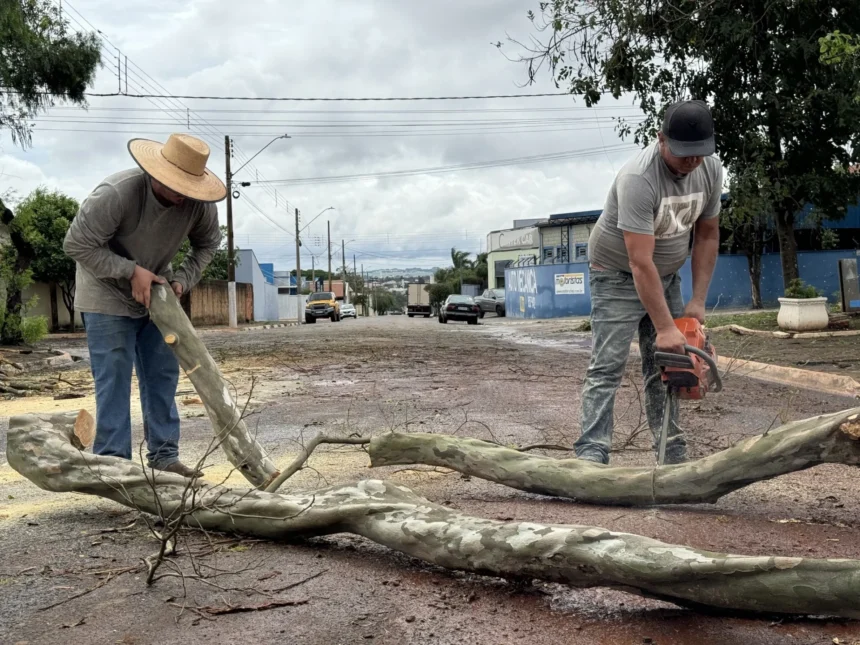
[616, 315]
[116, 344]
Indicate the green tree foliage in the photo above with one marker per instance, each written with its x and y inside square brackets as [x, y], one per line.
[756, 62]
[383, 300]
[839, 49]
[15, 276]
[217, 268]
[747, 214]
[41, 60]
[439, 291]
[42, 220]
[462, 271]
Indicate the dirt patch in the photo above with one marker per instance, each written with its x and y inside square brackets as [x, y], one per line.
[514, 383]
[836, 355]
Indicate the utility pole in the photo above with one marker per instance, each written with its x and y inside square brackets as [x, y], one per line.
[231, 266]
[299, 311]
[313, 273]
[355, 274]
[343, 259]
[328, 222]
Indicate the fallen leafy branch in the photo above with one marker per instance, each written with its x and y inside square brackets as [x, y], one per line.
[42, 449]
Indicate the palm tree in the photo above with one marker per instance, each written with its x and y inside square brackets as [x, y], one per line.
[460, 259]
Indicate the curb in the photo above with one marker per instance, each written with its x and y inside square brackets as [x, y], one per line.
[273, 326]
[743, 331]
[792, 376]
[789, 376]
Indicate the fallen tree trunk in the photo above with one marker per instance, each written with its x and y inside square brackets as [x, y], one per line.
[45, 449]
[795, 446]
[241, 447]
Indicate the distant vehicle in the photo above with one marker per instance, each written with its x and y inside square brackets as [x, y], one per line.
[493, 301]
[322, 304]
[418, 301]
[347, 311]
[459, 308]
[395, 312]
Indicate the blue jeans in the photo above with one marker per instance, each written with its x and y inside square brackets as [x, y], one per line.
[117, 343]
[616, 315]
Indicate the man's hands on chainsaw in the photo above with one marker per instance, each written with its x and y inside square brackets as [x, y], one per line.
[141, 285]
[671, 340]
[695, 309]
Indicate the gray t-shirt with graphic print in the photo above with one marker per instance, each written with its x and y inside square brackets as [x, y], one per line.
[646, 197]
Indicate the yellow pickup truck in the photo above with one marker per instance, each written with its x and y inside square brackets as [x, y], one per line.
[322, 305]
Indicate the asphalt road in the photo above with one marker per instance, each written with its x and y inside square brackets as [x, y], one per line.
[517, 382]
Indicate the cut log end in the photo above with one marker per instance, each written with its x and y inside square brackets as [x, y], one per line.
[85, 429]
[171, 339]
[852, 427]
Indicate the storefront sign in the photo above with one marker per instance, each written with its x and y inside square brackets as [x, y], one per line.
[569, 284]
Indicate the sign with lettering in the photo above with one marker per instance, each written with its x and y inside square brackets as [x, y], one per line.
[517, 238]
[569, 284]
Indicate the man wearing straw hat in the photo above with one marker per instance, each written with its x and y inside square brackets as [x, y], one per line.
[123, 240]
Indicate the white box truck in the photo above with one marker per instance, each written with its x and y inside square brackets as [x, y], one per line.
[418, 301]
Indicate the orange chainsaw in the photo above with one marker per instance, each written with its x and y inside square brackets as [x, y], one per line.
[687, 376]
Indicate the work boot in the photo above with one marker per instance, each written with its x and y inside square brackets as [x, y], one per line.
[593, 456]
[677, 456]
[181, 469]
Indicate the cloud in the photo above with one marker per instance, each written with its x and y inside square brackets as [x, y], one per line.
[336, 49]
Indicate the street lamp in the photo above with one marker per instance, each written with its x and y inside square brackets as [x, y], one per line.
[330, 208]
[231, 265]
[299, 257]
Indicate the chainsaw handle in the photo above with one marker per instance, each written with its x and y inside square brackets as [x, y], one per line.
[718, 382]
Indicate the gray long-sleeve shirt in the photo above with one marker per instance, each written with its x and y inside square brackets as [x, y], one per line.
[122, 224]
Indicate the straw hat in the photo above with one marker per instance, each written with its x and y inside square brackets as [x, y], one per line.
[179, 164]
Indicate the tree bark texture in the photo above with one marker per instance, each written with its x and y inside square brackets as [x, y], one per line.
[46, 450]
[787, 246]
[242, 449]
[55, 314]
[796, 446]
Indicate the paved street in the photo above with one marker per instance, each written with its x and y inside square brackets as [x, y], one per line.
[517, 382]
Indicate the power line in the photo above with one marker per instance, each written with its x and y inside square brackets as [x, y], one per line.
[557, 156]
[474, 110]
[326, 98]
[591, 122]
[207, 130]
[266, 217]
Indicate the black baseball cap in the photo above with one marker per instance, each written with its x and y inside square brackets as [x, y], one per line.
[688, 129]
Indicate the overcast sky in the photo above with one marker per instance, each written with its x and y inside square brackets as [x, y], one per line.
[328, 48]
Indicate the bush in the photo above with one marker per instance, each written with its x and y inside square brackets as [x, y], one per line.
[797, 289]
[34, 329]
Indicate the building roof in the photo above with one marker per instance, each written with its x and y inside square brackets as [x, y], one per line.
[566, 219]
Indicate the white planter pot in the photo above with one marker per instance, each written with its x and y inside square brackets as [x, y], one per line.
[802, 314]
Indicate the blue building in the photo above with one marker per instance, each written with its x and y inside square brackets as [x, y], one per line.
[557, 284]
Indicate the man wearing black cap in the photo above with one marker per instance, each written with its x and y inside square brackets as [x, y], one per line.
[668, 191]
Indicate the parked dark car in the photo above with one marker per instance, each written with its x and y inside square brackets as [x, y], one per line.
[493, 301]
[459, 308]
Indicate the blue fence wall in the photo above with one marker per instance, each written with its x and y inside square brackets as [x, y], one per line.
[557, 290]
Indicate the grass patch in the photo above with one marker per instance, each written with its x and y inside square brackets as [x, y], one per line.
[765, 320]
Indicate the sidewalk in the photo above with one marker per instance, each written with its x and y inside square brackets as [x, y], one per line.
[80, 335]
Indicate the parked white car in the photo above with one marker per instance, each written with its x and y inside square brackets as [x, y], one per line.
[347, 311]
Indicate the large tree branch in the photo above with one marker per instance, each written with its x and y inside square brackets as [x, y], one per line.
[796, 446]
[241, 447]
[41, 449]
